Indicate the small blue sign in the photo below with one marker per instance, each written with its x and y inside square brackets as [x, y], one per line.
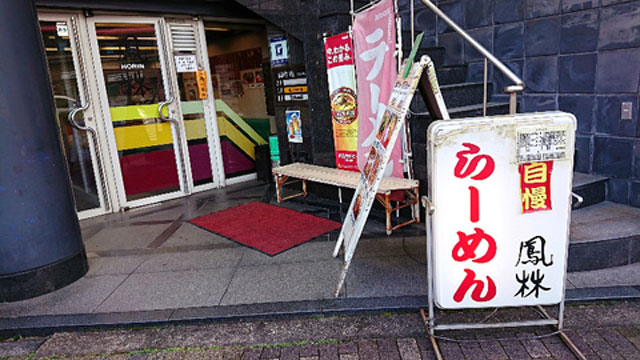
[279, 50]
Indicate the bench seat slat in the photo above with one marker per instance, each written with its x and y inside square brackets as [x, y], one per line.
[339, 177]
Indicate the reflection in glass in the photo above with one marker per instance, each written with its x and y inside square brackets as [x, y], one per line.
[238, 54]
[133, 78]
[195, 128]
[75, 143]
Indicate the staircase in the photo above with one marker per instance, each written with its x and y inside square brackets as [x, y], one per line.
[463, 99]
[603, 234]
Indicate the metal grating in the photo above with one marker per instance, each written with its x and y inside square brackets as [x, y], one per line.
[183, 37]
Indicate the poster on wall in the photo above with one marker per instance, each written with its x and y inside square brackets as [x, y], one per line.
[294, 126]
[342, 93]
[374, 41]
[501, 187]
[385, 137]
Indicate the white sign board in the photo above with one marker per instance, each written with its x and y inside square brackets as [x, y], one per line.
[501, 188]
[186, 63]
[62, 29]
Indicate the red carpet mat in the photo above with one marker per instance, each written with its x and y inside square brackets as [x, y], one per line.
[267, 228]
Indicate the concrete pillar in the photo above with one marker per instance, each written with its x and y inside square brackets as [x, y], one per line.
[41, 246]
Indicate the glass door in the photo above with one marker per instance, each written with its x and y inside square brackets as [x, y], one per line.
[139, 107]
[74, 112]
[188, 60]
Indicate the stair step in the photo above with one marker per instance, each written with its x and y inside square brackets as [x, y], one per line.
[420, 120]
[604, 235]
[457, 95]
[448, 75]
[591, 188]
[435, 53]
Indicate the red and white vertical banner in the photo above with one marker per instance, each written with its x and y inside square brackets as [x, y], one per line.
[501, 187]
[338, 51]
[374, 37]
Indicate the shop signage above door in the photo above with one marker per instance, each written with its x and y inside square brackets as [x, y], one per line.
[131, 66]
[186, 63]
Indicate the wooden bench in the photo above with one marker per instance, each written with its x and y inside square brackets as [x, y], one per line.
[299, 172]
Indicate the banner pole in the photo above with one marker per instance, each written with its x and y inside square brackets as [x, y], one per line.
[352, 11]
[413, 35]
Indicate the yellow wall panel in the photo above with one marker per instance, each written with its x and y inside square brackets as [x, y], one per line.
[195, 129]
[238, 138]
[140, 136]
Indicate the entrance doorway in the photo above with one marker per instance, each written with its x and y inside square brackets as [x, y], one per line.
[240, 66]
[135, 106]
[158, 114]
[74, 115]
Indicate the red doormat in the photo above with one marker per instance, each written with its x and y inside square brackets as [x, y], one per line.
[267, 228]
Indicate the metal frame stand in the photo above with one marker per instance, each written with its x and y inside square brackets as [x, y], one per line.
[430, 320]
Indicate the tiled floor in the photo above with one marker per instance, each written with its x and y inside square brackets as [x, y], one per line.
[138, 264]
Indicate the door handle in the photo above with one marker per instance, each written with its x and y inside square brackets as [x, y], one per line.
[71, 118]
[161, 106]
[175, 122]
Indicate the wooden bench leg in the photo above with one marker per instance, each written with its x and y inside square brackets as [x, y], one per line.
[280, 180]
[388, 210]
[416, 206]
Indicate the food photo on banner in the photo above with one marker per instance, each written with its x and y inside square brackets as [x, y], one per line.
[344, 106]
[378, 160]
[294, 126]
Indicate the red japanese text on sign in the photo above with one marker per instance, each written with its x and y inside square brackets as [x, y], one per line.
[475, 166]
[535, 186]
[338, 51]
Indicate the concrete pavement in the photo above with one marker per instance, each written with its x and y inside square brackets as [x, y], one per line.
[150, 266]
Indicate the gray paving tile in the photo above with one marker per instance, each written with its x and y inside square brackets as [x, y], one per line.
[189, 235]
[89, 231]
[392, 246]
[81, 297]
[165, 290]
[284, 282]
[617, 276]
[114, 265]
[192, 260]
[124, 237]
[386, 276]
[167, 211]
[213, 206]
[309, 251]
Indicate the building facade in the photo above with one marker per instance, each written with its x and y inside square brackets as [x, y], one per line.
[159, 100]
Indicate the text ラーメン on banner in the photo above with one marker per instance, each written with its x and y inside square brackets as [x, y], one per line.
[385, 137]
[344, 105]
[374, 38]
